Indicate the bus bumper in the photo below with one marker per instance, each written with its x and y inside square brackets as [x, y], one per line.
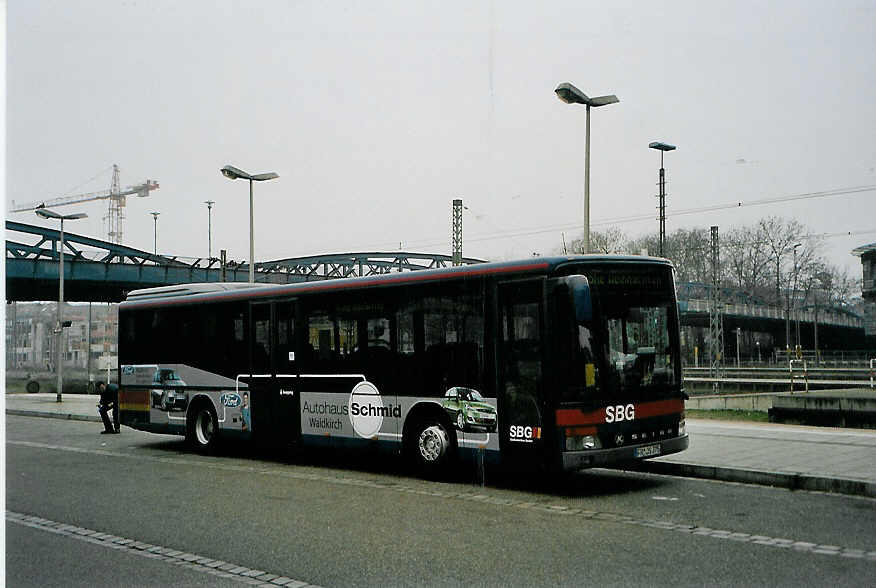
[578, 460]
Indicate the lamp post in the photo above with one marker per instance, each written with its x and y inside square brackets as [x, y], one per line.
[796, 312]
[51, 214]
[738, 331]
[788, 313]
[155, 232]
[662, 147]
[209, 204]
[233, 173]
[572, 95]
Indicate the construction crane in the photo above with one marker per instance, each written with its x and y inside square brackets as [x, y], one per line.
[116, 196]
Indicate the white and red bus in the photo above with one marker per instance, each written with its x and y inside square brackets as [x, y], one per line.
[564, 362]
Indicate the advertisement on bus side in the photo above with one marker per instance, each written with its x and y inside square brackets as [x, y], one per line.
[366, 414]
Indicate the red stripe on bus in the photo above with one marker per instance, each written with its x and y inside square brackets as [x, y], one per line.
[571, 417]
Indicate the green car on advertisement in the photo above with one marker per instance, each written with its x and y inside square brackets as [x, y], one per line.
[469, 410]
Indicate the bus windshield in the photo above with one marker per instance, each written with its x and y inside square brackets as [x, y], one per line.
[626, 350]
[639, 353]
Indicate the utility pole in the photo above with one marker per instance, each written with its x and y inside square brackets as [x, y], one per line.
[457, 231]
[88, 352]
[716, 326]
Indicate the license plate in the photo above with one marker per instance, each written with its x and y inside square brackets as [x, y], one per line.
[647, 451]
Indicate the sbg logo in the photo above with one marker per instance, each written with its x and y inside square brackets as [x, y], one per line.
[525, 434]
[616, 414]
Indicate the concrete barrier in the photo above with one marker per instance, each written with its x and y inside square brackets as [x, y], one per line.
[756, 402]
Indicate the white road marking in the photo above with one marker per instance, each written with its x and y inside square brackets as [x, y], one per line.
[781, 543]
[190, 561]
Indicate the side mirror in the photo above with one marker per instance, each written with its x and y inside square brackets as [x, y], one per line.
[580, 291]
[580, 297]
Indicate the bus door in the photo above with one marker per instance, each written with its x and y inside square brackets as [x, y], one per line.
[273, 380]
[520, 350]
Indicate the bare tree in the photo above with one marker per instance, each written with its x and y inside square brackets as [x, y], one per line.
[780, 237]
[689, 249]
[612, 240]
[746, 261]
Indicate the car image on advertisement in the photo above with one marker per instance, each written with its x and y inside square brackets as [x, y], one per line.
[469, 410]
[169, 399]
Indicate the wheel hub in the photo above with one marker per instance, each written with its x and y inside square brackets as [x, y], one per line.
[433, 443]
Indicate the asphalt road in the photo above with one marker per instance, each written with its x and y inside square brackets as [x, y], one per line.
[138, 509]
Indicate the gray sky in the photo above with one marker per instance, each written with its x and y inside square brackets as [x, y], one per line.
[377, 114]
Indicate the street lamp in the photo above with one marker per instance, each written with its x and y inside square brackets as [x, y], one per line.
[572, 95]
[796, 312]
[662, 147]
[155, 232]
[233, 173]
[738, 331]
[788, 297]
[209, 204]
[51, 214]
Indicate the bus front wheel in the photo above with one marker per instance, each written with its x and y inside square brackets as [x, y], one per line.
[432, 447]
[202, 429]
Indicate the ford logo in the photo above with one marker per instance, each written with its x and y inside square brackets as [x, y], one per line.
[230, 399]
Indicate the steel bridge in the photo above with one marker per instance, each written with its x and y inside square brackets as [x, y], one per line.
[100, 271]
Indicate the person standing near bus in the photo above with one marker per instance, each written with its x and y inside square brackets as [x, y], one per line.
[244, 413]
[109, 399]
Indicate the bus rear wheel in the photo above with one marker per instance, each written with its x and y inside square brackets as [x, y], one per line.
[202, 428]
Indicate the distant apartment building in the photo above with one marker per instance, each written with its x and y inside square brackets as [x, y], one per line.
[31, 342]
[867, 253]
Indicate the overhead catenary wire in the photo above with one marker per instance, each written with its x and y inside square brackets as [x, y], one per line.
[648, 217]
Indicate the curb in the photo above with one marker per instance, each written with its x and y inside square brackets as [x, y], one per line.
[53, 415]
[786, 480]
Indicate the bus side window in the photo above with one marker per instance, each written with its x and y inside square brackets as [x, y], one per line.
[321, 338]
[285, 325]
[406, 371]
[521, 354]
[261, 338]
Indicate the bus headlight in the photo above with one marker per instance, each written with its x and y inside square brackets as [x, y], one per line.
[582, 443]
[681, 428]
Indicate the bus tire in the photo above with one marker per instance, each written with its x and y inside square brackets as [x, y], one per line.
[202, 427]
[431, 446]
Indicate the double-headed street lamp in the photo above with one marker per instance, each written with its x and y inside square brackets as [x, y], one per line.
[59, 330]
[233, 173]
[572, 95]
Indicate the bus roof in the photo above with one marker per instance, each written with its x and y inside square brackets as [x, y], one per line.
[228, 291]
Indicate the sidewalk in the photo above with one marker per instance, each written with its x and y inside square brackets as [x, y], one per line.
[789, 456]
[74, 407]
[805, 458]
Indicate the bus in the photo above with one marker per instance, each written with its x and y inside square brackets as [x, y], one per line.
[563, 363]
